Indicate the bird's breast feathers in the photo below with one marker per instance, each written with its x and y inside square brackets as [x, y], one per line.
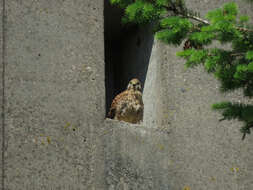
[128, 106]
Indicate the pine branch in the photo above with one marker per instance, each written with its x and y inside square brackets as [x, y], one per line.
[243, 29]
[196, 18]
[238, 54]
[231, 54]
[199, 19]
[208, 23]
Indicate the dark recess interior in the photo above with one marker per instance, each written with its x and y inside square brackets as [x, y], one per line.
[127, 52]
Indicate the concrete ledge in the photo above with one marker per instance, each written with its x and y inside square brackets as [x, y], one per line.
[135, 156]
[138, 157]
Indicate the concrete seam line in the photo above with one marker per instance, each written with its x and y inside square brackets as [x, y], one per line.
[3, 90]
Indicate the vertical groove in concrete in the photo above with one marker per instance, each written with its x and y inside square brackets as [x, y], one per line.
[3, 100]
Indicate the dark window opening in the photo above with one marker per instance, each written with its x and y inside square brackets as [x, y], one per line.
[127, 52]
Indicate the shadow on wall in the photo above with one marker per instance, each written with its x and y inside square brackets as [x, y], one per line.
[127, 52]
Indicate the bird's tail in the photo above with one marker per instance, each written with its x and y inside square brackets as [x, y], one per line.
[111, 113]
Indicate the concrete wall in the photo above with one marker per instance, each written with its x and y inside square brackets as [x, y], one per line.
[57, 137]
[54, 93]
[181, 143]
[1, 94]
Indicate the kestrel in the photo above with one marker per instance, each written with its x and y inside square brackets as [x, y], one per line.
[128, 105]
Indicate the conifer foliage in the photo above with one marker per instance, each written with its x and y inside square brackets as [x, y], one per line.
[175, 24]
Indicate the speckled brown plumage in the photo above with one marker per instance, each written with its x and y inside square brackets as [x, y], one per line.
[128, 105]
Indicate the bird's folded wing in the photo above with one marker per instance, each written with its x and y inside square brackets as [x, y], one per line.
[120, 97]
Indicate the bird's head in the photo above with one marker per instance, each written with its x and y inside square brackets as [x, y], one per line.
[134, 84]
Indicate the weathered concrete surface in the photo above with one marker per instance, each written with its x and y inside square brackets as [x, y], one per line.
[1, 89]
[152, 92]
[190, 148]
[54, 92]
[136, 157]
[57, 137]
